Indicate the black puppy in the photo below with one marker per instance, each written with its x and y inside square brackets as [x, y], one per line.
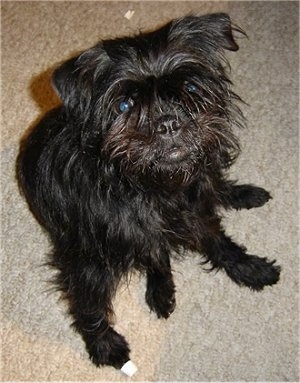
[130, 171]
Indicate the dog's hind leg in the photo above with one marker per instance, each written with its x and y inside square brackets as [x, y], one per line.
[243, 269]
[90, 292]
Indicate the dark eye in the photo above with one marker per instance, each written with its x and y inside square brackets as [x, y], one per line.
[125, 106]
[190, 87]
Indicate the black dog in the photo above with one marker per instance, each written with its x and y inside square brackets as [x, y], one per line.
[130, 171]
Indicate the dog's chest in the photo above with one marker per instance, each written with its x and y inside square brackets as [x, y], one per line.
[152, 221]
[181, 219]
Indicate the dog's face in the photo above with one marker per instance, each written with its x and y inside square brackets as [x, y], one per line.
[158, 106]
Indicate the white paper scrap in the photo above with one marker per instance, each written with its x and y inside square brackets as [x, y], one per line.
[129, 368]
[128, 15]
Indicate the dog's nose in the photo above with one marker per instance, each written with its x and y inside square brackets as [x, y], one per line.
[167, 126]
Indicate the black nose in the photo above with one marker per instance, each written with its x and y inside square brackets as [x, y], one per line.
[167, 126]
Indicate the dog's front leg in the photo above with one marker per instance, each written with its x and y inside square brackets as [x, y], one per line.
[243, 269]
[90, 294]
[245, 196]
[160, 293]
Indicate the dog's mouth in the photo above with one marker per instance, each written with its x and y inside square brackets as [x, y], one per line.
[174, 155]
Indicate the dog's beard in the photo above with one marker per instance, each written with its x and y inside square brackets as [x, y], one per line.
[149, 160]
[202, 143]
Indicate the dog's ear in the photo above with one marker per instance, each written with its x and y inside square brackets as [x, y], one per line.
[65, 81]
[74, 79]
[209, 32]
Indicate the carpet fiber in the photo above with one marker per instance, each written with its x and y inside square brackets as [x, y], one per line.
[219, 332]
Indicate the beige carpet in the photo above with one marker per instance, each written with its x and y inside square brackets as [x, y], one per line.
[218, 332]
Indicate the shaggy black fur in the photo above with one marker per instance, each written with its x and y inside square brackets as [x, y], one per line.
[130, 170]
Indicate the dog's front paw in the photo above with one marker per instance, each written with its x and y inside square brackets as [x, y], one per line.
[249, 196]
[109, 348]
[160, 297]
[254, 272]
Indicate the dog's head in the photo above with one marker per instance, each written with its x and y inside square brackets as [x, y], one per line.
[158, 105]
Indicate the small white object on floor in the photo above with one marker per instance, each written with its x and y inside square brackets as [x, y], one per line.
[128, 15]
[129, 368]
